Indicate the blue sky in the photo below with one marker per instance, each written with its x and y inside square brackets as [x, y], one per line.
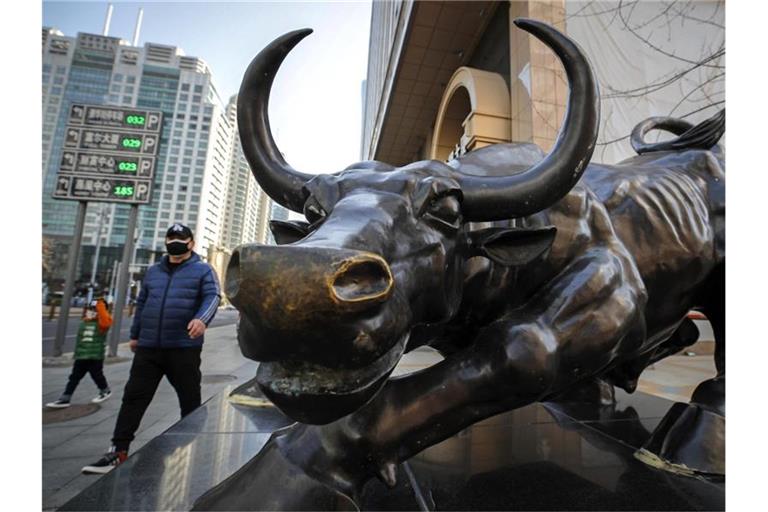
[315, 106]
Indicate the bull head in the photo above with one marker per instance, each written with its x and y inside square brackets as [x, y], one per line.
[329, 312]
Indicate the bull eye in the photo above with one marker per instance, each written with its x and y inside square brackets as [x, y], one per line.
[446, 210]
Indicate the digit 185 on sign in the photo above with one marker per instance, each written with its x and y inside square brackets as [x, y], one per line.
[123, 190]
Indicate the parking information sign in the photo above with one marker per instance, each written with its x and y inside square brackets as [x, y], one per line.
[109, 154]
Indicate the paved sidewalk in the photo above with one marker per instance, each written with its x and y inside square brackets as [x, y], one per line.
[69, 445]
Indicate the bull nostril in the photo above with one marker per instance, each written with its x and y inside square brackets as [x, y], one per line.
[232, 280]
[361, 280]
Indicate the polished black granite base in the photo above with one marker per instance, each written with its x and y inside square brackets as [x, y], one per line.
[541, 457]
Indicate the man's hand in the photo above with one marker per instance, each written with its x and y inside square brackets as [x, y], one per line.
[132, 344]
[196, 328]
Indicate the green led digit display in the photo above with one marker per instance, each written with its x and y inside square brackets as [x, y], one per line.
[135, 120]
[123, 190]
[127, 166]
[130, 142]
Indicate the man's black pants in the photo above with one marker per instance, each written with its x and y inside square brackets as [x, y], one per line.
[182, 368]
[82, 366]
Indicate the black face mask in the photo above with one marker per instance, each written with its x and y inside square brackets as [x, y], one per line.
[176, 247]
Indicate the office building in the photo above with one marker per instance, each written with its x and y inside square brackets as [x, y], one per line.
[445, 78]
[194, 158]
[248, 208]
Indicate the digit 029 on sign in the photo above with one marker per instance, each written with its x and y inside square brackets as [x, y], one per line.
[131, 142]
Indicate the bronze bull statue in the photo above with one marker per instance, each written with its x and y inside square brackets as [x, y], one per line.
[534, 275]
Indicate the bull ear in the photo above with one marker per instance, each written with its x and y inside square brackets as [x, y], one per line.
[513, 246]
[288, 231]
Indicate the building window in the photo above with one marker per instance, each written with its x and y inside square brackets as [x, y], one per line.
[184, 87]
[130, 79]
[60, 70]
[118, 77]
[198, 88]
[196, 99]
[58, 80]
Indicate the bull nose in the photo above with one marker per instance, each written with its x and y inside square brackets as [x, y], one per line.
[293, 287]
[364, 278]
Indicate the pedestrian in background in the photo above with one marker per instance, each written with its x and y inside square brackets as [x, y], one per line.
[178, 299]
[89, 354]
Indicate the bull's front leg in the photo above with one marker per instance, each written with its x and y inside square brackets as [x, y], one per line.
[570, 331]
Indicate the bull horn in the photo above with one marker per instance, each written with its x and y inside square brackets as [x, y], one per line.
[518, 195]
[279, 180]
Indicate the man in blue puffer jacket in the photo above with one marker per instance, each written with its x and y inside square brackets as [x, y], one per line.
[178, 299]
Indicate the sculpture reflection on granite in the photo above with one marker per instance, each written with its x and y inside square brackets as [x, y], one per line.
[537, 277]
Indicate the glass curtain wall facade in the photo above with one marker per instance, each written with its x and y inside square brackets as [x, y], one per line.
[192, 162]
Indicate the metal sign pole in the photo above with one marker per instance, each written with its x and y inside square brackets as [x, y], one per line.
[122, 281]
[95, 265]
[74, 253]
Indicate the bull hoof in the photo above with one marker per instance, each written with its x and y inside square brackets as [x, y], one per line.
[270, 481]
[690, 440]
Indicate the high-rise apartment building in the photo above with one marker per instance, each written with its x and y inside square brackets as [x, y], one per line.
[248, 208]
[277, 212]
[194, 157]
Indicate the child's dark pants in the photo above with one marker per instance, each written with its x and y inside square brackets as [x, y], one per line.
[82, 366]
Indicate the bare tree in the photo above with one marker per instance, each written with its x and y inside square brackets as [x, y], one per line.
[698, 78]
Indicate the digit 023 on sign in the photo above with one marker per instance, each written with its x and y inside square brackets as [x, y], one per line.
[103, 163]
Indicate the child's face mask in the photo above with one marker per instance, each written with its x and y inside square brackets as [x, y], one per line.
[90, 315]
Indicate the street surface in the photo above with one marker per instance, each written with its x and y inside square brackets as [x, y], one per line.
[69, 445]
[223, 317]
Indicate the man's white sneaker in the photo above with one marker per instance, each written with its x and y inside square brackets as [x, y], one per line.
[107, 463]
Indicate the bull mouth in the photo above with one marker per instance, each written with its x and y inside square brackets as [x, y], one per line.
[316, 394]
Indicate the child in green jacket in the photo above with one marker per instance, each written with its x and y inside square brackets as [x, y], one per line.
[89, 354]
